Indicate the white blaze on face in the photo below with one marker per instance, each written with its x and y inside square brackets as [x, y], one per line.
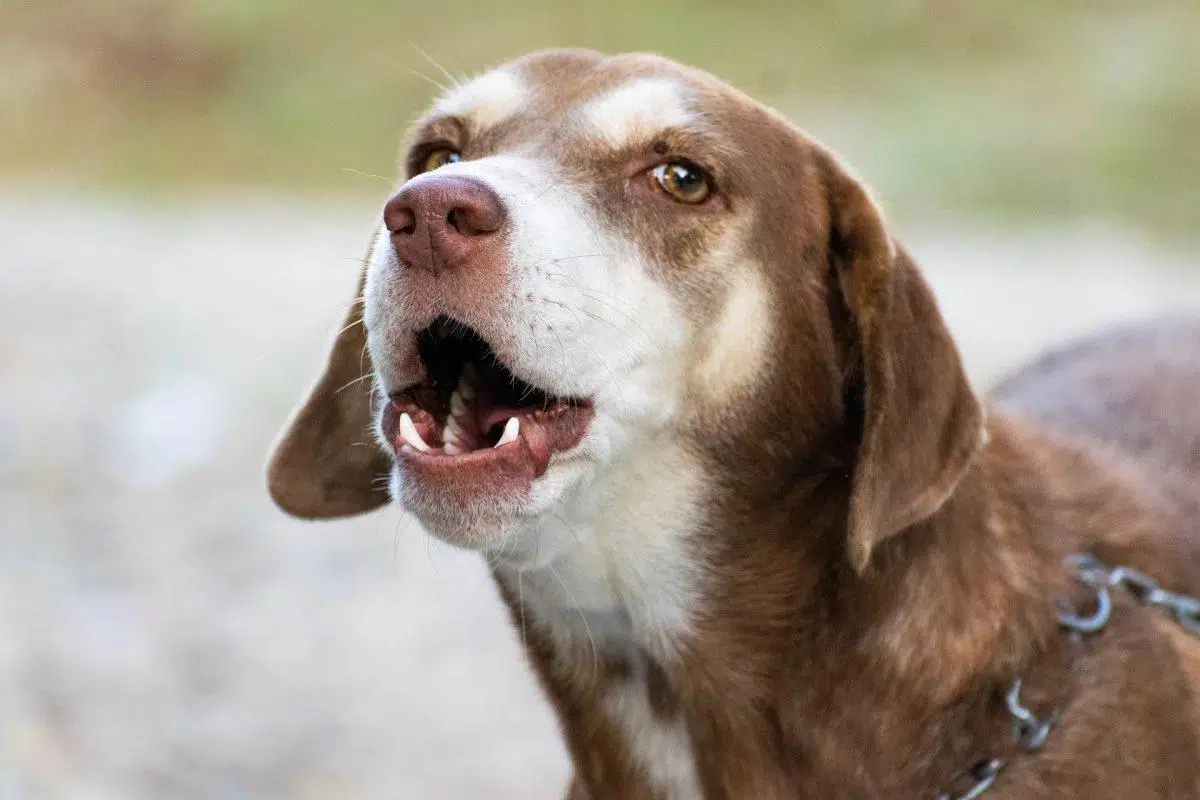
[638, 111]
[486, 101]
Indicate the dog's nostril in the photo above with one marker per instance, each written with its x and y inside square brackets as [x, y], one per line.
[452, 220]
[399, 217]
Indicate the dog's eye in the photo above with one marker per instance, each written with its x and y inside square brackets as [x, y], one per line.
[685, 182]
[440, 158]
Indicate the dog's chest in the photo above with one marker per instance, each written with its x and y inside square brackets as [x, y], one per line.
[656, 737]
[634, 698]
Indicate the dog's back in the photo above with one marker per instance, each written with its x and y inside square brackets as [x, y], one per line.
[1131, 396]
[1134, 389]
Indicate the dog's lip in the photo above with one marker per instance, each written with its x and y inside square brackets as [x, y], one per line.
[503, 470]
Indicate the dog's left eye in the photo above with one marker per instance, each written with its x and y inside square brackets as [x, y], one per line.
[440, 158]
[684, 182]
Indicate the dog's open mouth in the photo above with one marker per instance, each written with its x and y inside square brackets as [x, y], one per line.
[472, 413]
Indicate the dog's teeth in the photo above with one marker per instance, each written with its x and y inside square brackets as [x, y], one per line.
[408, 432]
[452, 432]
[452, 449]
[466, 383]
[457, 406]
[511, 429]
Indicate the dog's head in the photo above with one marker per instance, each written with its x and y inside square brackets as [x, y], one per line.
[593, 257]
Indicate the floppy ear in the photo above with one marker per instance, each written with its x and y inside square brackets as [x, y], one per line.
[325, 462]
[921, 421]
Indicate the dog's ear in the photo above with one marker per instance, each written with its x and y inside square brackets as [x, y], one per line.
[921, 421]
[325, 462]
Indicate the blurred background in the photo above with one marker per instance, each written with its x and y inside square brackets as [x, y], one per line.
[185, 192]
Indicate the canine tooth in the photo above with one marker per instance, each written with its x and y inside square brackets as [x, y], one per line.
[511, 429]
[452, 449]
[408, 432]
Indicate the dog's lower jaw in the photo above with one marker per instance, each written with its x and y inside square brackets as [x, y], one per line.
[507, 530]
[852, 685]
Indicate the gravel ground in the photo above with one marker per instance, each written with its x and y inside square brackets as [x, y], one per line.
[165, 632]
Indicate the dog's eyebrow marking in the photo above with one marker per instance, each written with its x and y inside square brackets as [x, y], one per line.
[485, 101]
[738, 345]
[638, 110]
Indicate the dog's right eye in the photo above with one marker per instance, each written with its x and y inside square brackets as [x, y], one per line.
[440, 157]
[683, 181]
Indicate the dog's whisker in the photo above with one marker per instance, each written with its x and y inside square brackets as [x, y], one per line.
[641, 347]
[582, 255]
[360, 379]
[454, 82]
[612, 379]
[362, 359]
[396, 550]
[550, 185]
[583, 617]
[567, 525]
[521, 607]
[441, 87]
[350, 325]
[630, 316]
[362, 174]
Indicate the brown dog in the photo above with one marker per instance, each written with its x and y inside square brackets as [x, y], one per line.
[654, 351]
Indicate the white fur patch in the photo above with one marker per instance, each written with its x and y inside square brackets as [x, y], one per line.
[485, 101]
[662, 749]
[638, 110]
[613, 567]
[735, 352]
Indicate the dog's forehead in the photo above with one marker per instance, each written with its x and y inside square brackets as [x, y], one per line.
[486, 100]
[569, 96]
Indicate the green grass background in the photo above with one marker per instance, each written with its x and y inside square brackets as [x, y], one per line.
[1019, 109]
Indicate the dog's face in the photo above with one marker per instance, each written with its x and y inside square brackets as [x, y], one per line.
[594, 257]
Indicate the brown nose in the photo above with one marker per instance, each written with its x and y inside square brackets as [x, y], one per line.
[442, 221]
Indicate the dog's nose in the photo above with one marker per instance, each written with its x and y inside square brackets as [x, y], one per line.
[442, 221]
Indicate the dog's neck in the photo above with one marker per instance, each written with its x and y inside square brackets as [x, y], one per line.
[617, 569]
[707, 639]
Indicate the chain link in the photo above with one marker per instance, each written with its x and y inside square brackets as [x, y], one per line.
[1183, 608]
[984, 773]
[1030, 732]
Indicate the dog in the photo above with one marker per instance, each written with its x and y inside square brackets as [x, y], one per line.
[655, 352]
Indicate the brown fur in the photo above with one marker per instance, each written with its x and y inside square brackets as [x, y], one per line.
[882, 559]
[324, 464]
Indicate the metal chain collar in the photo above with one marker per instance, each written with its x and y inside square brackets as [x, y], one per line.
[1029, 731]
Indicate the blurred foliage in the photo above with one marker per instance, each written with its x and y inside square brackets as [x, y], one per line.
[1019, 107]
